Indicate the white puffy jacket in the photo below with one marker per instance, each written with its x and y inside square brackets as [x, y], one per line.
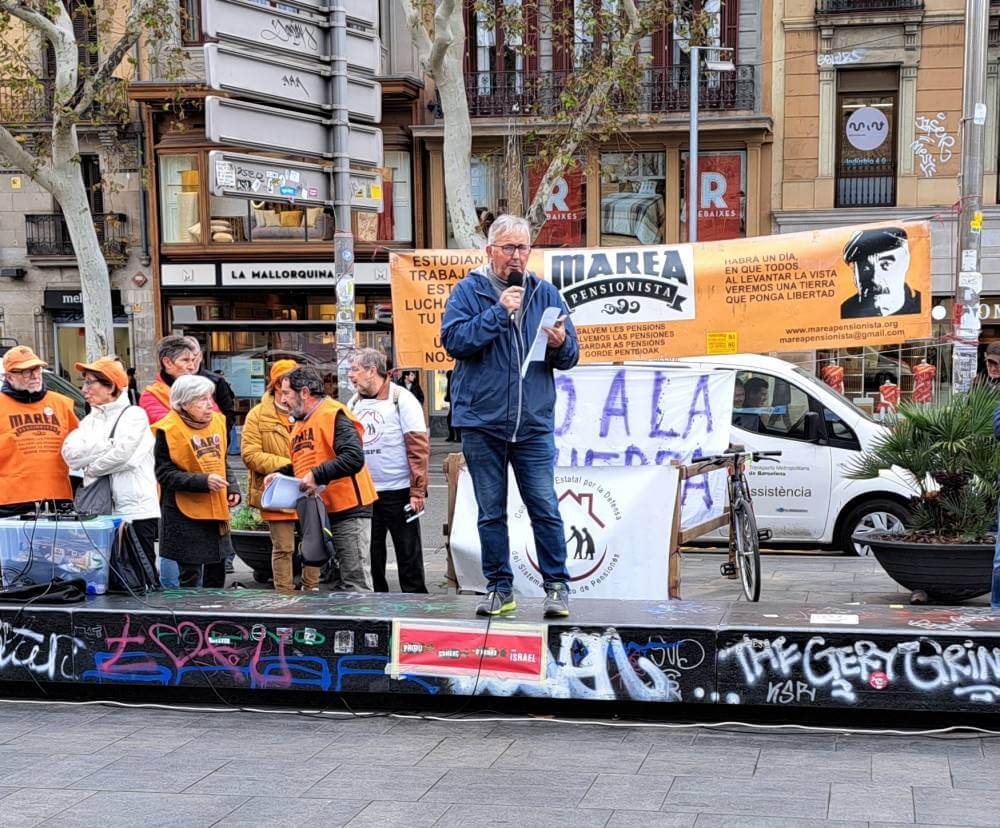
[128, 458]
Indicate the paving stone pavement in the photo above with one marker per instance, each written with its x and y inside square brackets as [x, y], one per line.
[210, 768]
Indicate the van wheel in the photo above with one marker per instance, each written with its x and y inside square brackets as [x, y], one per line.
[878, 515]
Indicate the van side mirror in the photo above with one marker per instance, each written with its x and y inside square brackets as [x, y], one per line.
[811, 423]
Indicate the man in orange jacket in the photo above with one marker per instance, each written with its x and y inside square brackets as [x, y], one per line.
[34, 423]
[327, 451]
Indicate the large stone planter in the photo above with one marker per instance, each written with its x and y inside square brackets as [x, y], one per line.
[948, 572]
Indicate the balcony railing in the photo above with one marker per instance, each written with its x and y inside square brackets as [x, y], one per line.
[22, 104]
[869, 185]
[662, 90]
[47, 235]
[852, 6]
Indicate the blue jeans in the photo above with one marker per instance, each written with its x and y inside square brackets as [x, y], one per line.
[995, 595]
[170, 574]
[533, 460]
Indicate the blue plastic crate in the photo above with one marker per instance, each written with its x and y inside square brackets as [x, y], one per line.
[36, 551]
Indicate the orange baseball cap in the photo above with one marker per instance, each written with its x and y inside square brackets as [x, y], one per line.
[20, 358]
[279, 369]
[107, 366]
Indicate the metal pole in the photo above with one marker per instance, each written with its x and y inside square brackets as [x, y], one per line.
[692, 186]
[969, 280]
[343, 239]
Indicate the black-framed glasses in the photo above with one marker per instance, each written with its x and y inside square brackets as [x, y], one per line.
[993, 362]
[511, 249]
[26, 372]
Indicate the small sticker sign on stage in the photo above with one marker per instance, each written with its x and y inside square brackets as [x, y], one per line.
[502, 651]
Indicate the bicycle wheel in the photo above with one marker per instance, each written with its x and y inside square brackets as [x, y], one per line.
[747, 547]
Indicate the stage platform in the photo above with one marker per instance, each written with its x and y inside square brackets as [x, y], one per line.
[697, 652]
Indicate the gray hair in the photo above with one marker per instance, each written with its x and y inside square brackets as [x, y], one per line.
[195, 344]
[506, 223]
[189, 388]
[370, 358]
[171, 347]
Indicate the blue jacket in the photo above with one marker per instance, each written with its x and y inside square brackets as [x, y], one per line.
[487, 391]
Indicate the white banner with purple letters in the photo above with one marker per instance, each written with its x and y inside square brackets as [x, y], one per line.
[650, 414]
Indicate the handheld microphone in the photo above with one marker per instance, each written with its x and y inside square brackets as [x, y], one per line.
[515, 279]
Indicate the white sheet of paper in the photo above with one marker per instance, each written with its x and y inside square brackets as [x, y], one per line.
[537, 351]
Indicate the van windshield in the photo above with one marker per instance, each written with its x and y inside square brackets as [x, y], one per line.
[818, 382]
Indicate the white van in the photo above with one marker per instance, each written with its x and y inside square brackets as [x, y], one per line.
[804, 496]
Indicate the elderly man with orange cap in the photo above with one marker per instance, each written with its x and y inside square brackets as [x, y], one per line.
[114, 441]
[265, 449]
[34, 423]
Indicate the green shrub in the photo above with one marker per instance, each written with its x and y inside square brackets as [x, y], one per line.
[950, 454]
[246, 518]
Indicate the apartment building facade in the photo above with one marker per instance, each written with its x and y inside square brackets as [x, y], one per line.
[203, 245]
[870, 130]
[39, 274]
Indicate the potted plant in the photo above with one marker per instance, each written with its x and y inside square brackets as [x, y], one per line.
[952, 457]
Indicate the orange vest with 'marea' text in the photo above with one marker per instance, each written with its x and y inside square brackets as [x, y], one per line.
[312, 445]
[31, 438]
[199, 451]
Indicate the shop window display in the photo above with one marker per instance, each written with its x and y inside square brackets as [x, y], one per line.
[180, 185]
[633, 206]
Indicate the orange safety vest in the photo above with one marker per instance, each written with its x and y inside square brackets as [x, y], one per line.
[312, 445]
[161, 391]
[31, 438]
[199, 451]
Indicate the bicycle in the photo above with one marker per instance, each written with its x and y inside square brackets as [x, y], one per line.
[744, 536]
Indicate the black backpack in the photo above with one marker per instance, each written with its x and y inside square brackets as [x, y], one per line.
[132, 573]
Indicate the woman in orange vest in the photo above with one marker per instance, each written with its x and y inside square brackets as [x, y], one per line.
[197, 486]
[265, 449]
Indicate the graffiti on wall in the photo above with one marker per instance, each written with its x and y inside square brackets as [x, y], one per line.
[814, 670]
[42, 654]
[602, 665]
[933, 145]
[277, 655]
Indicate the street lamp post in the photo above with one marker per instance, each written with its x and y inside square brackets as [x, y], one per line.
[719, 65]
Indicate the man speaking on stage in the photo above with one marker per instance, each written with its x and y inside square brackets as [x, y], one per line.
[505, 413]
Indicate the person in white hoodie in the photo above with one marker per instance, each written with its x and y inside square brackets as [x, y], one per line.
[127, 457]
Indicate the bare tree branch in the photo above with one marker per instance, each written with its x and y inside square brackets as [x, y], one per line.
[594, 103]
[442, 32]
[17, 155]
[421, 37]
[34, 18]
[83, 97]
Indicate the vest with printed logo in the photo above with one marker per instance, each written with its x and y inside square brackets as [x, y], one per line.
[312, 446]
[31, 438]
[198, 451]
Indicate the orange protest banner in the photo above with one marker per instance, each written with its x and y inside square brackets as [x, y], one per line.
[822, 289]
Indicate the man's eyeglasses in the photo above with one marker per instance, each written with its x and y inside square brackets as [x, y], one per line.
[26, 372]
[994, 362]
[511, 249]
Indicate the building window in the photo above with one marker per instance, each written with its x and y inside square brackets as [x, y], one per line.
[230, 220]
[632, 198]
[722, 197]
[501, 56]
[489, 193]
[866, 138]
[190, 14]
[180, 189]
[395, 223]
